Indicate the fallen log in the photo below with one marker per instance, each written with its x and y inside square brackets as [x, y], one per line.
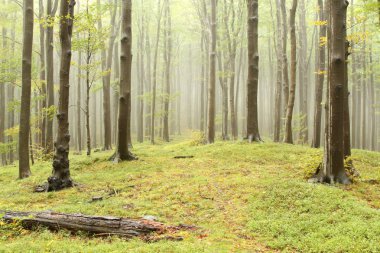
[96, 225]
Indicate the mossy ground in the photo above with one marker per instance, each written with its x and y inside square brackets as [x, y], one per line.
[244, 197]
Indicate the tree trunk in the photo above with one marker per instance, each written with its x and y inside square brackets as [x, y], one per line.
[211, 97]
[125, 82]
[363, 114]
[51, 10]
[42, 76]
[285, 72]
[141, 73]
[279, 75]
[3, 156]
[24, 166]
[79, 104]
[333, 170]
[154, 88]
[319, 80]
[95, 225]
[106, 62]
[61, 166]
[168, 56]
[373, 102]
[253, 72]
[303, 75]
[293, 76]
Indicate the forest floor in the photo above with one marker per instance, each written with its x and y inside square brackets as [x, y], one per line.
[244, 197]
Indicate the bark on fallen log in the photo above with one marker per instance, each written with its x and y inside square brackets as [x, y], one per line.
[97, 225]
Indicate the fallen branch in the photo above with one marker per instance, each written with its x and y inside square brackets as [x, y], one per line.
[95, 225]
[184, 157]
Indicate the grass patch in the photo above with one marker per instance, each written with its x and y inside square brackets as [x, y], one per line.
[246, 197]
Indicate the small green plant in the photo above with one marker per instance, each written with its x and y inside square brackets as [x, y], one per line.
[198, 138]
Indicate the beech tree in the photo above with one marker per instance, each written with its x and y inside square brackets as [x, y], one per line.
[122, 152]
[253, 72]
[60, 178]
[24, 166]
[332, 169]
[293, 75]
[211, 96]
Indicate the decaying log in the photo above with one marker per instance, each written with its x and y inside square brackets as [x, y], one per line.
[96, 225]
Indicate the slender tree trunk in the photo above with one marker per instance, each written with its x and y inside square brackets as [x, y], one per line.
[168, 72]
[154, 88]
[279, 75]
[140, 55]
[125, 81]
[211, 97]
[363, 119]
[51, 10]
[293, 76]
[285, 72]
[3, 156]
[303, 75]
[253, 72]
[373, 102]
[79, 104]
[24, 166]
[319, 79]
[42, 75]
[61, 169]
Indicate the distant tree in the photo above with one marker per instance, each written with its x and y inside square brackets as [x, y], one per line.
[24, 166]
[168, 59]
[253, 72]
[154, 88]
[293, 75]
[211, 95]
[60, 178]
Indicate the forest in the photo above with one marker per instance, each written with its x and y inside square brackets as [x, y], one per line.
[190, 126]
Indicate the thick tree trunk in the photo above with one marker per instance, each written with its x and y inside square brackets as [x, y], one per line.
[319, 80]
[60, 178]
[24, 166]
[293, 75]
[51, 10]
[253, 72]
[96, 225]
[333, 170]
[122, 152]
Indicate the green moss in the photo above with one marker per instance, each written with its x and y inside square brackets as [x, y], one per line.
[245, 197]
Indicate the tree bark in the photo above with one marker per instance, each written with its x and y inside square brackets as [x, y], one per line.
[123, 153]
[51, 10]
[42, 76]
[320, 78]
[293, 75]
[211, 97]
[154, 88]
[253, 72]
[285, 71]
[106, 62]
[24, 166]
[96, 225]
[168, 56]
[60, 178]
[279, 75]
[332, 169]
